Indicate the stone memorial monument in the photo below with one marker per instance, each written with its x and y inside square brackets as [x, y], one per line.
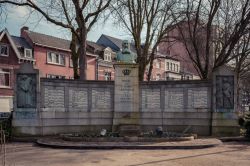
[27, 100]
[126, 99]
[224, 116]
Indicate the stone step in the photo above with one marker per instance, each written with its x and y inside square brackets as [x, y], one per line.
[129, 130]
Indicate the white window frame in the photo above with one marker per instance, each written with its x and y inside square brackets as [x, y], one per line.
[107, 56]
[55, 63]
[30, 50]
[167, 66]
[6, 45]
[5, 72]
[54, 76]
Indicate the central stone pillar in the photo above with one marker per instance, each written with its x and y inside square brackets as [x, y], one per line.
[126, 118]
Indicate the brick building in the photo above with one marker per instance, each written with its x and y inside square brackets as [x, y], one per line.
[53, 56]
[175, 47]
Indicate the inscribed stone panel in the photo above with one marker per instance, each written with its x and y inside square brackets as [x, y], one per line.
[151, 98]
[53, 97]
[78, 98]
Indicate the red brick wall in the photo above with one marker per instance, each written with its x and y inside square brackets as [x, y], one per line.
[160, 70]
[40, 55]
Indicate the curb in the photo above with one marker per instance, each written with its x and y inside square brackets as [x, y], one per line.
[235, 139]
[135, 147]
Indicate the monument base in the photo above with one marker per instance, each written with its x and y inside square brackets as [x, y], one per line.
[225, 124]
[129, 130]
[126, 123]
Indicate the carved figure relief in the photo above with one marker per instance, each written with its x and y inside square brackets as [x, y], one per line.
[224, 92]
[26, 91]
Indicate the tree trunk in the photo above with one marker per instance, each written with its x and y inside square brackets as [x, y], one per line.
[141, 70]
[75, 67]
[82, 57]
[150, 68]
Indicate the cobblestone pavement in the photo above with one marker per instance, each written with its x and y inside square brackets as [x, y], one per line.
[28, 154]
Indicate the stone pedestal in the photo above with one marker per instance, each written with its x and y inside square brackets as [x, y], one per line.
[26, 101]
[224, 115]
[126, 100]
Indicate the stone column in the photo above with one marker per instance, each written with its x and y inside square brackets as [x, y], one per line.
[126, 118]
[224, 103]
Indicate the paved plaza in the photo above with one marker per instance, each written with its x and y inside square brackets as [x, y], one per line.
[28, 154]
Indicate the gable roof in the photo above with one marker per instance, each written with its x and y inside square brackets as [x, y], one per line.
[55, 42]
[118, 43]
[5, 32]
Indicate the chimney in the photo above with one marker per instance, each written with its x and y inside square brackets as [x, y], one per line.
[24, 28]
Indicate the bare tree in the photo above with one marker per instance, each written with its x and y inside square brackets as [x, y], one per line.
[78, 16]
[210, 30]
[146, 21]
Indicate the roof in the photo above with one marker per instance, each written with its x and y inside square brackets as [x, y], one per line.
[21, 42]
[95, 45]
[5, 32]
[118, 42]
[55, 42]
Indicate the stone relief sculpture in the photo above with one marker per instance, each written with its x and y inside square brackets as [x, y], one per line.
[26, 91]
[126, 55]
[224, 92]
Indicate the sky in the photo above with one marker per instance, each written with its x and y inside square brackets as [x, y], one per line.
[19, 16]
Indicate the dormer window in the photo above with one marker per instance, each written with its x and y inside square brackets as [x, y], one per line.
[4, 50]
[107, 56]
[28, 53]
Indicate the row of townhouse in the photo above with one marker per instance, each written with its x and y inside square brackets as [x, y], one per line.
[52, 56]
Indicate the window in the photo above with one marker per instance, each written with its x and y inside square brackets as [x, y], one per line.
[55, 58]
[107, 56]
[167, 66]
[4, 78]
[107, 76]
[158, 77]
[4, 50]
[55, 76]
[171, 65]
[28, 53]
[174, 67]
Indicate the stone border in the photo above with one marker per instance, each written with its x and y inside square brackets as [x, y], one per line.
[126, 139]
[110, 145]
[235, 139]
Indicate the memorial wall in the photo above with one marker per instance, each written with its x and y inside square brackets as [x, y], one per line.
[53, 106]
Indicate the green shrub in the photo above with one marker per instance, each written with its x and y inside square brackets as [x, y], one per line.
[245, 122]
